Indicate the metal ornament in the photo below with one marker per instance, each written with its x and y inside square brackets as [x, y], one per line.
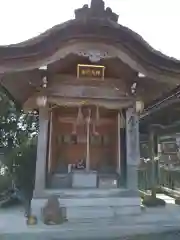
[96, 122]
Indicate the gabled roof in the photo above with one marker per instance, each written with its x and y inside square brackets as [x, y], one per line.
[94, 22]
[20, 63]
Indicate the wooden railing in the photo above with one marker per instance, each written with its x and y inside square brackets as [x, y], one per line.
[163, 178]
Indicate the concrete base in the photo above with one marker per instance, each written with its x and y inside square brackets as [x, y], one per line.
[93, 208]
[94, 203]
[83, 179]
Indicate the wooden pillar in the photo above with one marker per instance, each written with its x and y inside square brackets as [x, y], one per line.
[123, 150]
[121, 156]
[88, 120]
[119, 143]
[153, 154]
[88, 148]
[54, 162]
[50, 145]
[132, 147]
[40, 178]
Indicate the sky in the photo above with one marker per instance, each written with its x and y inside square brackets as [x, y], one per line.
[157, 21]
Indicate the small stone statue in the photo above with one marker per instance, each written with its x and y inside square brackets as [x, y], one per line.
[52, 213]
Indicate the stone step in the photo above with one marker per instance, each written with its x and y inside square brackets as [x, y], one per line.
[96, 212]
[94, 202]
[100, 202]
[94, 207]
[101, 212]
[91, 193]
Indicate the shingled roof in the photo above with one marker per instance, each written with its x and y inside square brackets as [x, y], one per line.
[92, 24]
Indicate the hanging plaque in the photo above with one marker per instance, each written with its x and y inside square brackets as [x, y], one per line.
[90, 71]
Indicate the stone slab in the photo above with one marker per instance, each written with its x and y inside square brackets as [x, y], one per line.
[101, 212]
[83, 179]
[93, 202]
[91, 193]
[94, 207]
[108, 183]
[61, 181]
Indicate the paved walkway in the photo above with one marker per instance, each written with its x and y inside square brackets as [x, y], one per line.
[157, 220]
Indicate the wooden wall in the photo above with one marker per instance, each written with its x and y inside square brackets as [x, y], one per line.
[102, 148]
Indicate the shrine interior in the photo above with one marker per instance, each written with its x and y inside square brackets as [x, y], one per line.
[68, 143]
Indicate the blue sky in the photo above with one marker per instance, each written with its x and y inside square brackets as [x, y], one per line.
[157, 21]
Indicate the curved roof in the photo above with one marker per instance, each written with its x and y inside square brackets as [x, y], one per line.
[89, 23]
[93, 27]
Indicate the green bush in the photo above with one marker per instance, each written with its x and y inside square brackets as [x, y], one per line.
[23, 160]
[5, 182]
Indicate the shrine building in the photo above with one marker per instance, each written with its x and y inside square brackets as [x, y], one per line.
[89, 78]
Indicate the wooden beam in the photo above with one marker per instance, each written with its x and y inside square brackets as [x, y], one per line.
[102, 121]
[75, 102]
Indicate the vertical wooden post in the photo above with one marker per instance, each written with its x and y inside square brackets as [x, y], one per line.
[50, 143]
[132, 146]
[88, 143]
[152, 156]
[153, 201]
[40, 178]
[123, 151]
[118, 143]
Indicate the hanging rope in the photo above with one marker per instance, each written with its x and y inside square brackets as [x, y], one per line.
[74, 131]
[77, 121]
[89, 115]
[96, 122]
[97, 115]
[94, 130]
[80, 117]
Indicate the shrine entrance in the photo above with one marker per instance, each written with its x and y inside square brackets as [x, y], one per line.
[83, 139]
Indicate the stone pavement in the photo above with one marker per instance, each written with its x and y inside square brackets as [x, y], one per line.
[157, 220]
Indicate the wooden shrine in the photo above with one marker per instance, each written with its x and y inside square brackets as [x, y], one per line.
[89, 79]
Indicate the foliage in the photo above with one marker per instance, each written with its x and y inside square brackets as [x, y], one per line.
[22, 159]
[5, 182]
[15, 125]
[8, 121]
[18, 132]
